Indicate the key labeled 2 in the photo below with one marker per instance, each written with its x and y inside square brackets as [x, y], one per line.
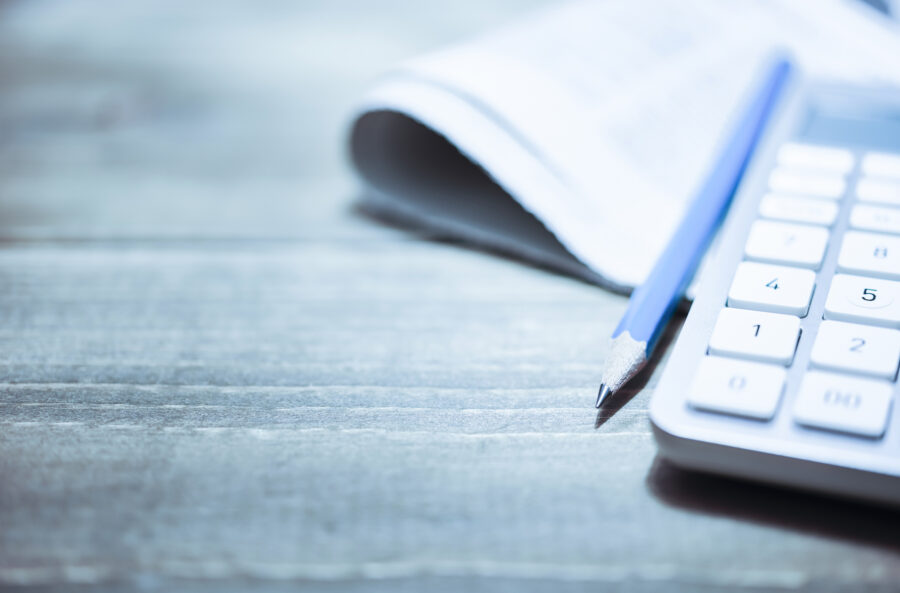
[755, 335]
[855, 348]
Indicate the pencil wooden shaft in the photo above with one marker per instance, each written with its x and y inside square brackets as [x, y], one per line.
[653, 302]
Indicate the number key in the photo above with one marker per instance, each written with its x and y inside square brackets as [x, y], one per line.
[863, 300]
[737, 387]
[782, 243]
[772, 288]
[871, 254]
[857, 349]
[766, 337]
[843, 404]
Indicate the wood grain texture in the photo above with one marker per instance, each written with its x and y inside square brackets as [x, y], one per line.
[216, 375]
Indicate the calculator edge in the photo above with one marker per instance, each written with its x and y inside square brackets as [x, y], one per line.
[694, 447]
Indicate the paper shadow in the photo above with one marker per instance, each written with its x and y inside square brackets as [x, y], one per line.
[419, 181]
[372, 209]
[822, 516]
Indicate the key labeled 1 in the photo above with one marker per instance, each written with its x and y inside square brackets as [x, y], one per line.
[755, 335]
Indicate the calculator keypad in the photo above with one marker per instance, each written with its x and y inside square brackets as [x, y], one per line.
[854, 356]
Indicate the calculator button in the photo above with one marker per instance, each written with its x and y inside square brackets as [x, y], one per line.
[807, 183]
[871, 254]
[772, 288]
[857, 349]
[756, 335]
[863, 300]
[878, 190]
[875, 218]
[881, 164]
[808, 210]
[810, 156]
[748, 389]
[782, 243]
[843, 404]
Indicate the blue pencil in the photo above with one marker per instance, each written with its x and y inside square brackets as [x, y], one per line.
[653, 302]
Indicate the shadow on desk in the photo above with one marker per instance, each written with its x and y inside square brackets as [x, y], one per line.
[831, 518]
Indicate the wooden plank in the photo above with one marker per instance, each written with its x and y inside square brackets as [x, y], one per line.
[317, 313]
[326, 504]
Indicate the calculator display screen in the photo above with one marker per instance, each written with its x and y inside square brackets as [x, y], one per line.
[849, 120]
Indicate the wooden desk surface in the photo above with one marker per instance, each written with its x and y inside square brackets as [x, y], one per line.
[215, 374]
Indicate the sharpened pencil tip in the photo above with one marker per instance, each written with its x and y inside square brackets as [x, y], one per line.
[602, 394]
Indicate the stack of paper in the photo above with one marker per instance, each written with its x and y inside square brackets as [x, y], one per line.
[598, 118]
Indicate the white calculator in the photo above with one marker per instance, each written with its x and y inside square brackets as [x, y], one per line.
[786, 368]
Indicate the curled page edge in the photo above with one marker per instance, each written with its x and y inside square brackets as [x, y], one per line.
[487, 145]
